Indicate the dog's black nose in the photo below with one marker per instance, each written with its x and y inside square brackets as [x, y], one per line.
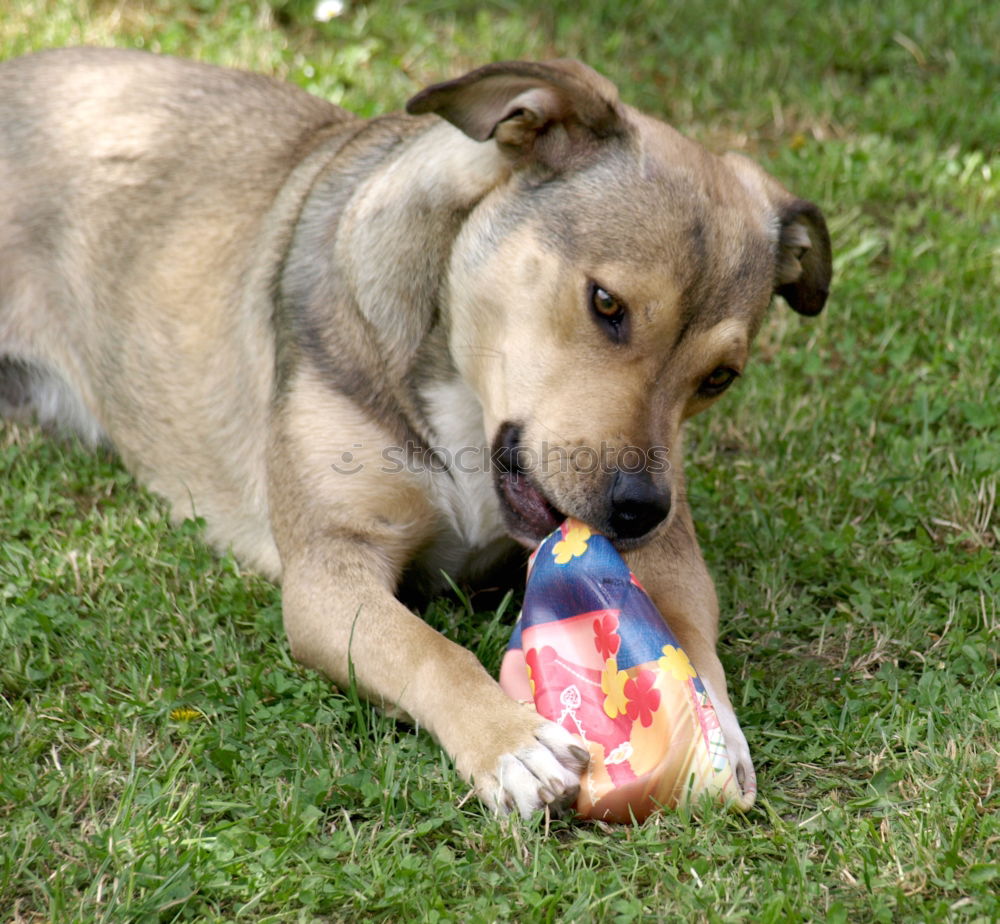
[637, 505]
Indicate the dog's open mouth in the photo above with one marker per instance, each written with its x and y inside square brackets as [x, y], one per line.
[528, 512]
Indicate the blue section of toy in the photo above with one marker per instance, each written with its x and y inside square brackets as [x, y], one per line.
[575, 571]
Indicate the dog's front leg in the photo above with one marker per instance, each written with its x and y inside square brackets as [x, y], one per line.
[344, 540]
[342, 619]
[672, 570]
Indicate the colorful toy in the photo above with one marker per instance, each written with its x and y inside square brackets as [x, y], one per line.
[594, 654]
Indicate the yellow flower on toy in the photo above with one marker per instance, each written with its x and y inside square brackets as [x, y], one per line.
[573, 546]
[676, 663]
[613, 686]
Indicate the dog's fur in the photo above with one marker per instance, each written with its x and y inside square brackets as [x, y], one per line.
[274, 310]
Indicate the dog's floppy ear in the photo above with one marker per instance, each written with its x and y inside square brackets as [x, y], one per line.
[803, 264]
[536, 112]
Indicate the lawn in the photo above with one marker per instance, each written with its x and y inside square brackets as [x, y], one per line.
[163, 759]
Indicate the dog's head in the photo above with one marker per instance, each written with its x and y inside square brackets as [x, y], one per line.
[607, 289]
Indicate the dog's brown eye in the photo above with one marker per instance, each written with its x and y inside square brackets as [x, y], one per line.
[609, 311]
[605, 304]
[717, 381]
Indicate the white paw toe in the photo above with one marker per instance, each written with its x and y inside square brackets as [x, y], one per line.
[546, 773]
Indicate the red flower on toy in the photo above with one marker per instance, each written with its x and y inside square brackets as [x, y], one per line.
[541, 673]
[606, 638]
[643, 698]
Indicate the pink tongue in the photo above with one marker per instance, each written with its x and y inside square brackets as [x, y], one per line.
[528, 502]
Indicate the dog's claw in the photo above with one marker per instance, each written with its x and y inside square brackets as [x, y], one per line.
[742, 764]
[737, 749]
[747, 779]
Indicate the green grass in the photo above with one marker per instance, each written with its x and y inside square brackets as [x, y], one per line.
[845, 494]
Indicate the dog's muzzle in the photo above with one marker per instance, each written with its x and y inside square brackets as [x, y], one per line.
[632, 507]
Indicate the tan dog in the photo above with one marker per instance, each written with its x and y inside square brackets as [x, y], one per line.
[315, 331]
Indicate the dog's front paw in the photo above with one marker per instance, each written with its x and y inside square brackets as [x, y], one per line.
[540, 769]
[745, 774]
[739, 759]
[737, 749]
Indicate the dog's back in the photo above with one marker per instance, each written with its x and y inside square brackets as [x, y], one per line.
[88, 136]
[119, 172]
